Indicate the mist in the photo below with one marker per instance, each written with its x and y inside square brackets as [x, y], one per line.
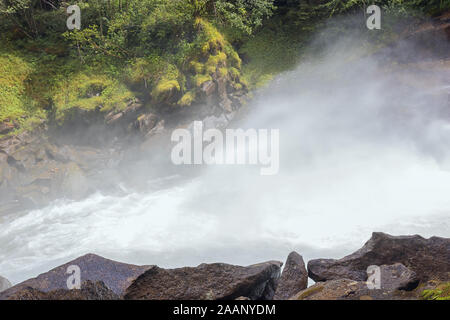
[364, 147]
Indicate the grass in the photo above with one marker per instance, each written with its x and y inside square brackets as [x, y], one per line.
[87, 91]
[271, 51]
[442, 292]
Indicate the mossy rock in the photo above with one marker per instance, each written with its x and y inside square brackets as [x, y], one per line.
[200, 79]
[187, 99]
[309, 292]
[442, 292]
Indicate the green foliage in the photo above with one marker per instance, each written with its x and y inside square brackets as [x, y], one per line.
[273, 50]
[442, 292]
[14, 71]
[160, 50]
[15, 105]
[187, 98]
[245, 15]
[87, 91]
[215, 58]
[424, 6]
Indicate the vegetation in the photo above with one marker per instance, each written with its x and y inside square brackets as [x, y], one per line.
[442, 292]
[162, 51]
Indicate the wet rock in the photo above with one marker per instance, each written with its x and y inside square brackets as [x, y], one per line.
[113, 118]
[146, 122]
[133, 107]
[4, 284]
[157, 129]
[207, 282]
[5, 170]
[8, 145]
[116, 276]
[293, 279]
[88, 291]
[213, 122]
[428, 258]
[208, 88]
[226, 105]
[70, 181]
[6, 127]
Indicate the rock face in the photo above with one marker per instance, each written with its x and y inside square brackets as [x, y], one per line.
[115, 275]
[428, 258]
[293, 279]
[207, 282]
[4, 284]
[34, 171]
[89, 291]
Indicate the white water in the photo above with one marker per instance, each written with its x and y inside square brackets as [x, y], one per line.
[359, 153]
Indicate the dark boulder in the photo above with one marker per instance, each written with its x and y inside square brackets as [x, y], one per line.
[428, 258]
[216, 281]
[116, 276]
[88, 291]
[293, 279]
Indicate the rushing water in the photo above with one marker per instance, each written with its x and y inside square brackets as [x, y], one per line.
[359, 152]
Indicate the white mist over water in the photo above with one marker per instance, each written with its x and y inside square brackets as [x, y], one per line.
[360, 151]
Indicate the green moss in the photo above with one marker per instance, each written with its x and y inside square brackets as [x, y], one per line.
[442, 292]
[237, 86]
[148, 69]
[14, 72]
[187, 99]
[16, 106]
[218, 56]
[310, 291]
[215, 61]
[234, 73]
[89, 92]
[223, 72]
[215, 40]
[165, 88]
[200, 79]
[197, 67]
[171, 83]
[233, 56]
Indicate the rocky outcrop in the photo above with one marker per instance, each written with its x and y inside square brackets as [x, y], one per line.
[207, 282]
[424, 265]
[115, 275]
[346, 289]
[390, 282]
[293, 279]
[4, 284]
[88, 291]
[428, 258]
